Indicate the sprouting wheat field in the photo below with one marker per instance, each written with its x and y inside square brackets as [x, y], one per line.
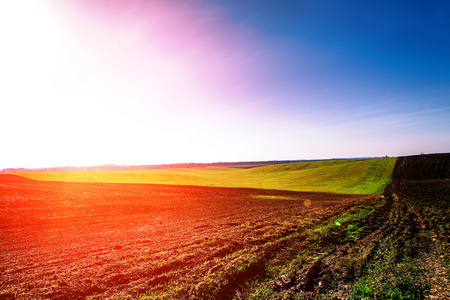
[356, 176]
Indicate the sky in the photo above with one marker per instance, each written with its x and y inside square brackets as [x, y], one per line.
[130, 82]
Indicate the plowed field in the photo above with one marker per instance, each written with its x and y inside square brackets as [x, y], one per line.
[78, 240]
[62, 240]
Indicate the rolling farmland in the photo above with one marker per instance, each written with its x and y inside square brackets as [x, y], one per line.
[356, 176]
[69, 238]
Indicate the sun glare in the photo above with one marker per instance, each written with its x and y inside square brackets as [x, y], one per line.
[29, 43]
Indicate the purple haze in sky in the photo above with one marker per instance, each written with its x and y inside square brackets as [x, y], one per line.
[148, 82]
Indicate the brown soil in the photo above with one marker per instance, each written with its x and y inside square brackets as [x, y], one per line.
[116, 241]
[78, 240]
[422, 167]
[403, 252]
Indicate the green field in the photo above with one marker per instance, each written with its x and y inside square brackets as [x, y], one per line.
[352, 176]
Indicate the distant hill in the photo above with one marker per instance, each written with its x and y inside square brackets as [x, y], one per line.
[112, 167]
[350, 176]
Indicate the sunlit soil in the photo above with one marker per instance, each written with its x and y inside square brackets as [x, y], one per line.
[78, 240]
[62, 240]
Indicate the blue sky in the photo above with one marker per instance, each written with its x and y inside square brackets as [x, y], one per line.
[378, 68]
[361, 51]
[148, 82]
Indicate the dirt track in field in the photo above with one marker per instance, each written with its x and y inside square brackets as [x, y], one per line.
[115, 241]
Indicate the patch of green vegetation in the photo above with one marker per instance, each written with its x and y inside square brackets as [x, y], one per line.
[242, 265]
[387, 280]
[263, 292]
[354, 229]
[273, 197]
[351, 176]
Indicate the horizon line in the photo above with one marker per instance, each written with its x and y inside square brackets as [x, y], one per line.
[185, 164]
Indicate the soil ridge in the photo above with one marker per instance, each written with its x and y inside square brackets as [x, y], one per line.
[421, 182]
